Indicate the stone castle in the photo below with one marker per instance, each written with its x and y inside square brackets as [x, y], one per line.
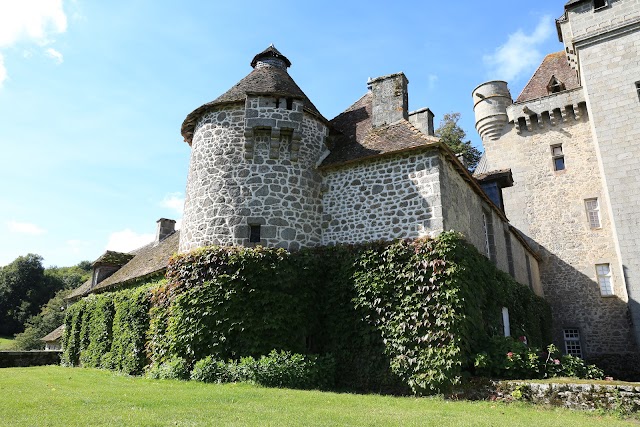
[555, 201]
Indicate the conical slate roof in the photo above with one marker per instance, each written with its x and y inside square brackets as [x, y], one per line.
[267, 77]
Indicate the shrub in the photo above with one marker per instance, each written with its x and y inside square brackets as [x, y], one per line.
[176, 368]
[278, 369]
[511, 359]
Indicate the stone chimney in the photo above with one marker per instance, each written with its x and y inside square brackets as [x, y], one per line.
[423, 120]
[165, 228]
[390, 99]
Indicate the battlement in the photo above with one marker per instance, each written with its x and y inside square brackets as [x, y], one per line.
[548, 110]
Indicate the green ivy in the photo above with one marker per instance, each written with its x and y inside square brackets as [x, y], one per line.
[407, 315]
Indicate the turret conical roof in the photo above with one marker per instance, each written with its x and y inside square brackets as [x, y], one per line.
[267, 78]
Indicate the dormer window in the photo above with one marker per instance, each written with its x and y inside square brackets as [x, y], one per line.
[555, 85]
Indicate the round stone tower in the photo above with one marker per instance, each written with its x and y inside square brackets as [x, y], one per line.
[490, 102]
[252, 176]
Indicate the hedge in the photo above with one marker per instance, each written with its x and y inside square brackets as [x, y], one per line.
[407, 315]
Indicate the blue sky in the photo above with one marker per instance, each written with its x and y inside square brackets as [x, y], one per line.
[92, 94]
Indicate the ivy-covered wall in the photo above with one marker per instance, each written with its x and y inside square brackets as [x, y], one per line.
[395, 316]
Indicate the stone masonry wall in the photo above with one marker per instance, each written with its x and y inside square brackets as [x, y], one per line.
[384, 199]
[463, 211]
[548, 206]
[610, 73]
[256, 170]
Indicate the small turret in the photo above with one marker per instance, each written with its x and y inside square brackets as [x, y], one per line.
[490, 102]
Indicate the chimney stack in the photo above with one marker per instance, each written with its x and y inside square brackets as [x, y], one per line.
[165, 228]
[390, 99]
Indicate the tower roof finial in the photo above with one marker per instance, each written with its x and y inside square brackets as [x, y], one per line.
[271, 56]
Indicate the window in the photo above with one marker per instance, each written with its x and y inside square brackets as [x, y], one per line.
[254, 233]
[604, 279]
[572, 345]
[507, 240]
[638, 89]
[555, 85]
[593, 212]
[599, 4]
[529, 275]
[506, 326]
[558, 157]
[489, 243]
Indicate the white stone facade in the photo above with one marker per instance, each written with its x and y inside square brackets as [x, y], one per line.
[254, 171]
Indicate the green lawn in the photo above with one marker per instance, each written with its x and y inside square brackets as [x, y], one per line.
[7, 343]
[52, 395]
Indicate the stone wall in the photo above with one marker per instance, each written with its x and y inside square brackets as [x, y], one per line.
[255, 169]
[383, 199]
[608, 43]
[13, 359]
[623, 398]
[548, 206]
[463, 210]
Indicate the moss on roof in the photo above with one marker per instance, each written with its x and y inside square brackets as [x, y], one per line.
[113, 258]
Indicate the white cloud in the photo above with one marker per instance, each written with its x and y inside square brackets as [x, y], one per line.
[32, 21]
[55, 55]
[173, 201]
[127, 240]
[519, 54]
[25, 228]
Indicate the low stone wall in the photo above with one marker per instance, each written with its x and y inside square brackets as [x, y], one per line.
[625, 398]
[13, 359]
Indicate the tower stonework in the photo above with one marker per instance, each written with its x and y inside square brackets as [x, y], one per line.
[252, 177]
[604, 45]
[571, 142]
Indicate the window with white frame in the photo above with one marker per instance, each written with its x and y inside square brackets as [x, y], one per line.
[593, 212]
[603, 272]
[572, 345]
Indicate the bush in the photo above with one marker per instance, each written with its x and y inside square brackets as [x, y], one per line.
[278, 369]
[173, 369]
[511, 359]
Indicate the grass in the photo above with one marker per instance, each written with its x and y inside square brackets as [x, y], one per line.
[53, 395]
[7, 343]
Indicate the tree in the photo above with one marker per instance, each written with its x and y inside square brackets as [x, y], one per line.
[50, 317]
[25, 286]
[453, 135]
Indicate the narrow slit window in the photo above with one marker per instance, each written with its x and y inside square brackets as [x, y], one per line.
[529, 274]
[638, 89]
[289, 103]
[593, 212]
[254, 233]
[489, 239]
[603, 272]
[572, 345]
[558, 157]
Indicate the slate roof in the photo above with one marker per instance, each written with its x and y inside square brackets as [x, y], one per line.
[266, 79]
[53, 335]
[554, 64]
[145, 261]
[353, 138]
[113, 258]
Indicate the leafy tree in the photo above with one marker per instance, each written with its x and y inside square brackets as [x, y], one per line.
[454, 136]
[50, 317]
[25, 286]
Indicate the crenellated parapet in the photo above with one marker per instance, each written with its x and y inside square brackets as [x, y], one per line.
[547, 111]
